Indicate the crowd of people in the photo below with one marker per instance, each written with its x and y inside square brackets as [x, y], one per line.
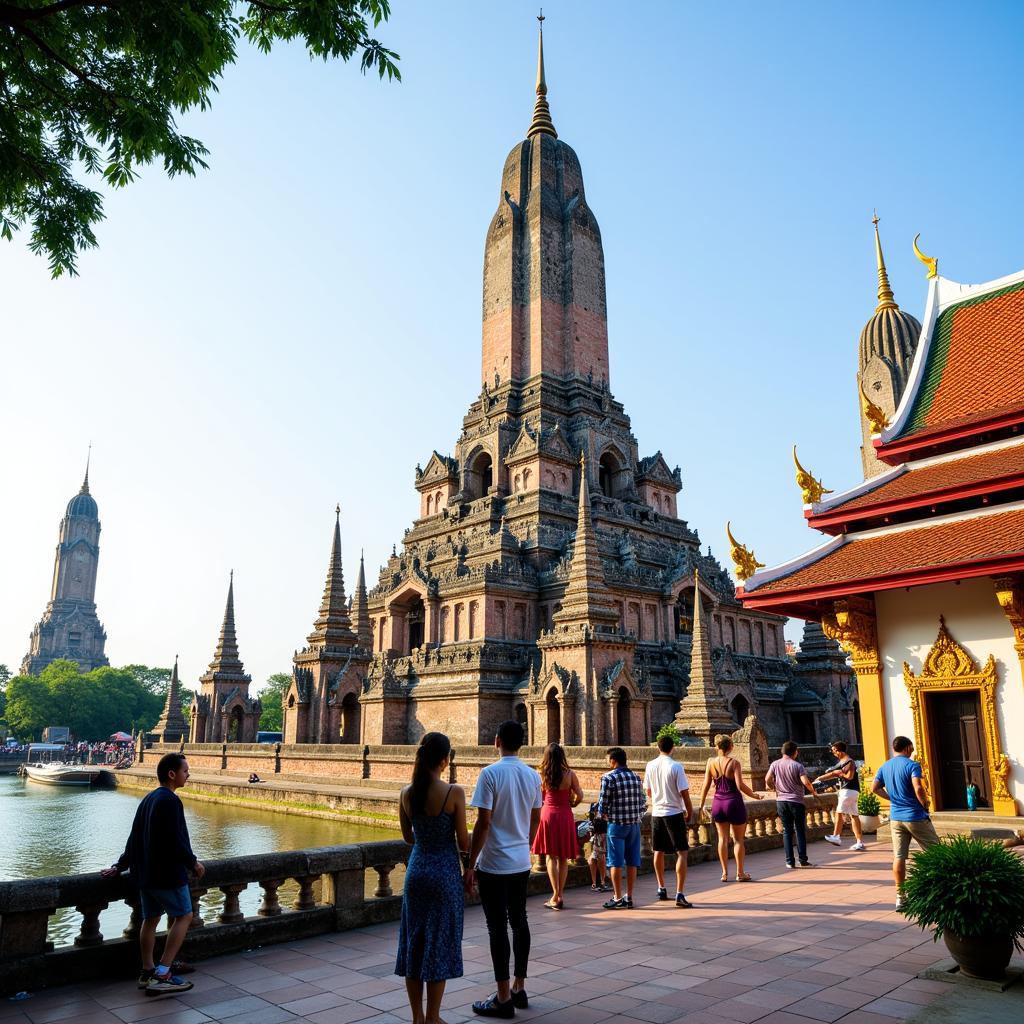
[522, 811]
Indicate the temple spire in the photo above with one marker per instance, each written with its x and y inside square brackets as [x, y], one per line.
[172, 728]
[85, 482]
[542, 123]
[360, 610]
[703, 711]
[885, 297]
[586, 598]
[225, 657]
[333, 627]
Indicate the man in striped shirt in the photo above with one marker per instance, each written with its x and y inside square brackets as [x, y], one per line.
[622, 803]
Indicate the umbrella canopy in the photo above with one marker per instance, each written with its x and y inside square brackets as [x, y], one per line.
[121, 737]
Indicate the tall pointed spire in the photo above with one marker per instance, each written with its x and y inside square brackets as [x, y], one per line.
[361, 611]
[85, 482]
[885, 297]
[225, 657]
[333, 627]
[586, 598]
[171, 727]
[703, 711]
[542, 123]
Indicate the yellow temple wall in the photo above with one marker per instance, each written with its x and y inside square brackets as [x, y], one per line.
[908, 623]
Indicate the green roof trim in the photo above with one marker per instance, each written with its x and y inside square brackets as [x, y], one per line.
[938, 356]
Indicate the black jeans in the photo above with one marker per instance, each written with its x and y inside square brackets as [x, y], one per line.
[794, 819]
[504, 901]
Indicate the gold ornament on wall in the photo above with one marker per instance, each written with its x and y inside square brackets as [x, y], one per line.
[743, 558]
[947, 666]
[810, 489]
[877, 417]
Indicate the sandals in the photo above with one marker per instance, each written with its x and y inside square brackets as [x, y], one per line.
[554, 905]
[743, 877]
[725, 878]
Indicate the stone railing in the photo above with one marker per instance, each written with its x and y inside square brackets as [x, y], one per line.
[331, 896]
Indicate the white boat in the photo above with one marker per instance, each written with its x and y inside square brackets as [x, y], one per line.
[70, 775]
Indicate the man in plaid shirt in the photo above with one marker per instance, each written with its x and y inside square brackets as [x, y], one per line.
[622, 802]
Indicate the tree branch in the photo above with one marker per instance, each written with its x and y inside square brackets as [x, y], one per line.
[11, 14]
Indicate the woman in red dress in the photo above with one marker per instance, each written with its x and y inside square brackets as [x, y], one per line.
[556, 837]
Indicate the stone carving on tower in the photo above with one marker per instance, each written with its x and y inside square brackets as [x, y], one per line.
[70, 627]
[172, 727]
[222, 711]
[321, 704]
[887, 346]
[548, 576]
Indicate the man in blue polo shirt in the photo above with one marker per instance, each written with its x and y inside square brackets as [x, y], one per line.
[901, 782]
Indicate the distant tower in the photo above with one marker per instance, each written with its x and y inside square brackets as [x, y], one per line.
[887, 345]
[172, 727]
[69, 627]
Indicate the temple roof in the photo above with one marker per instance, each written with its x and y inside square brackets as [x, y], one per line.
[968, 375]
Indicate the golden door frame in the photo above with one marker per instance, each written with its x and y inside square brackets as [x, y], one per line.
[947, 666]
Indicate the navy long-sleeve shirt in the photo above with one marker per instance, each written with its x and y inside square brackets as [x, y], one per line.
[158, 852]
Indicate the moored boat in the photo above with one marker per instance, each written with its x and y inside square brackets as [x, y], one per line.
[70, 775]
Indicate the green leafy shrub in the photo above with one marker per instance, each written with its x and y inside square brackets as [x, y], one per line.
[868, 804]
[670, 729]
[970, 887]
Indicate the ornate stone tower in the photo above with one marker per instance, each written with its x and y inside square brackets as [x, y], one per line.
[171, 728]
[70, 627]
[548, 576]
[887, 345]
[222, 710]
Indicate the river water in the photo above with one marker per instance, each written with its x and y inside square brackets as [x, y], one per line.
[64, 830]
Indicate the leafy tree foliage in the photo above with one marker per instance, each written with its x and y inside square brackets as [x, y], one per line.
[270, 696]
[94, 86]
[92, 704]
[5, 678]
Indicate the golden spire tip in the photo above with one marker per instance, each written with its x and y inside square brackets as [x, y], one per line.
[885, 297]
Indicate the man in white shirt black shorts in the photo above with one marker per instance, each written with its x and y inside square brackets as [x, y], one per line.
[666, 784]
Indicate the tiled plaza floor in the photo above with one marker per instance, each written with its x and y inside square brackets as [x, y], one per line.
[791, 947]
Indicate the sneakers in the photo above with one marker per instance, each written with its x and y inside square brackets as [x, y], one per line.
[858, 846]
[682, 901]
[166, 983]
[899, 902]
[806, 864]
[493, 1008]
[144, 978]
[622, 903]
[792, 867]
[834, 840]
[520, 1000]
[662, 894]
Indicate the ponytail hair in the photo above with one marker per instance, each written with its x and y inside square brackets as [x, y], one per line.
[433, 749]
[724, 742]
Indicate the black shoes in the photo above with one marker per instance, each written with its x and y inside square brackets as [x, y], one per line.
[493, 1008]
[622, 903]
[662, 894]
[682, 901]
[520, 1000]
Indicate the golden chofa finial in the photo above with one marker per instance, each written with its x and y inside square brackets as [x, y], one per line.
[743, 558]
[876, 417]
[885, 298]
[542, 123]
[810, 488]
[931, 262]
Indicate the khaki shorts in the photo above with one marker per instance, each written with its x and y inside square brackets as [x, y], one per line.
[903, 831]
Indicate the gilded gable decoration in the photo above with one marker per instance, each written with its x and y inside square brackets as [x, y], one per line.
[947, 666]
[811, 489]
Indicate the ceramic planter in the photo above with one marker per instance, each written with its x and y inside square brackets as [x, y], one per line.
[982, 956]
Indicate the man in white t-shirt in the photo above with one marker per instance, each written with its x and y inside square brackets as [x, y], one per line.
[508, 799]
[668, 789]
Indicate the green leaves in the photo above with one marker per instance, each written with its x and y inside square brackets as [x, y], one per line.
[93, 87]
[270, 697]
[971, 887]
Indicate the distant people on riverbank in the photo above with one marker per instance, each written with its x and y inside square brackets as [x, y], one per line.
[622, 803]
[556, 837]
[508, 800]
[159, 855]
[432, 814]
[668, 789]
[728, 811]
[788, 777]
[901, 781]
[845, 770]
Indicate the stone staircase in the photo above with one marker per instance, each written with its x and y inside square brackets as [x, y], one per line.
[981, 824]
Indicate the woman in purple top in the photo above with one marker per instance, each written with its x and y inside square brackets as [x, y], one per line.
[728, 811]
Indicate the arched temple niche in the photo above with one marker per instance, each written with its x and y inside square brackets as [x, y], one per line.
[553, 725]
[407, 615]
[612, 471]
[350, 718]
[479, 473]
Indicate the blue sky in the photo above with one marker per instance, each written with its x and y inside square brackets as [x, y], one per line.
[300, 325]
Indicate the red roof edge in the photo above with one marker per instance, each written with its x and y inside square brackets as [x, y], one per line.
[833, 520]
[783, 602]
[902, 449]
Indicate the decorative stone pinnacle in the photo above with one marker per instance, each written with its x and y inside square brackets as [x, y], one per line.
[542, 123]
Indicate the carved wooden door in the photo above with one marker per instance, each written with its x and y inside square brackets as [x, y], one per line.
[958, 749]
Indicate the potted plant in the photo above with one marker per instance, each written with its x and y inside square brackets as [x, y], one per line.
[868, 808]
[971, 891]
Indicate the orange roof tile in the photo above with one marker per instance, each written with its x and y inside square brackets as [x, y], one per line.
[975, 363]
[903, 553]
[969, 470]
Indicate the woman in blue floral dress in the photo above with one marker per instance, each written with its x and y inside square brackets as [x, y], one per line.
[433, 818]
